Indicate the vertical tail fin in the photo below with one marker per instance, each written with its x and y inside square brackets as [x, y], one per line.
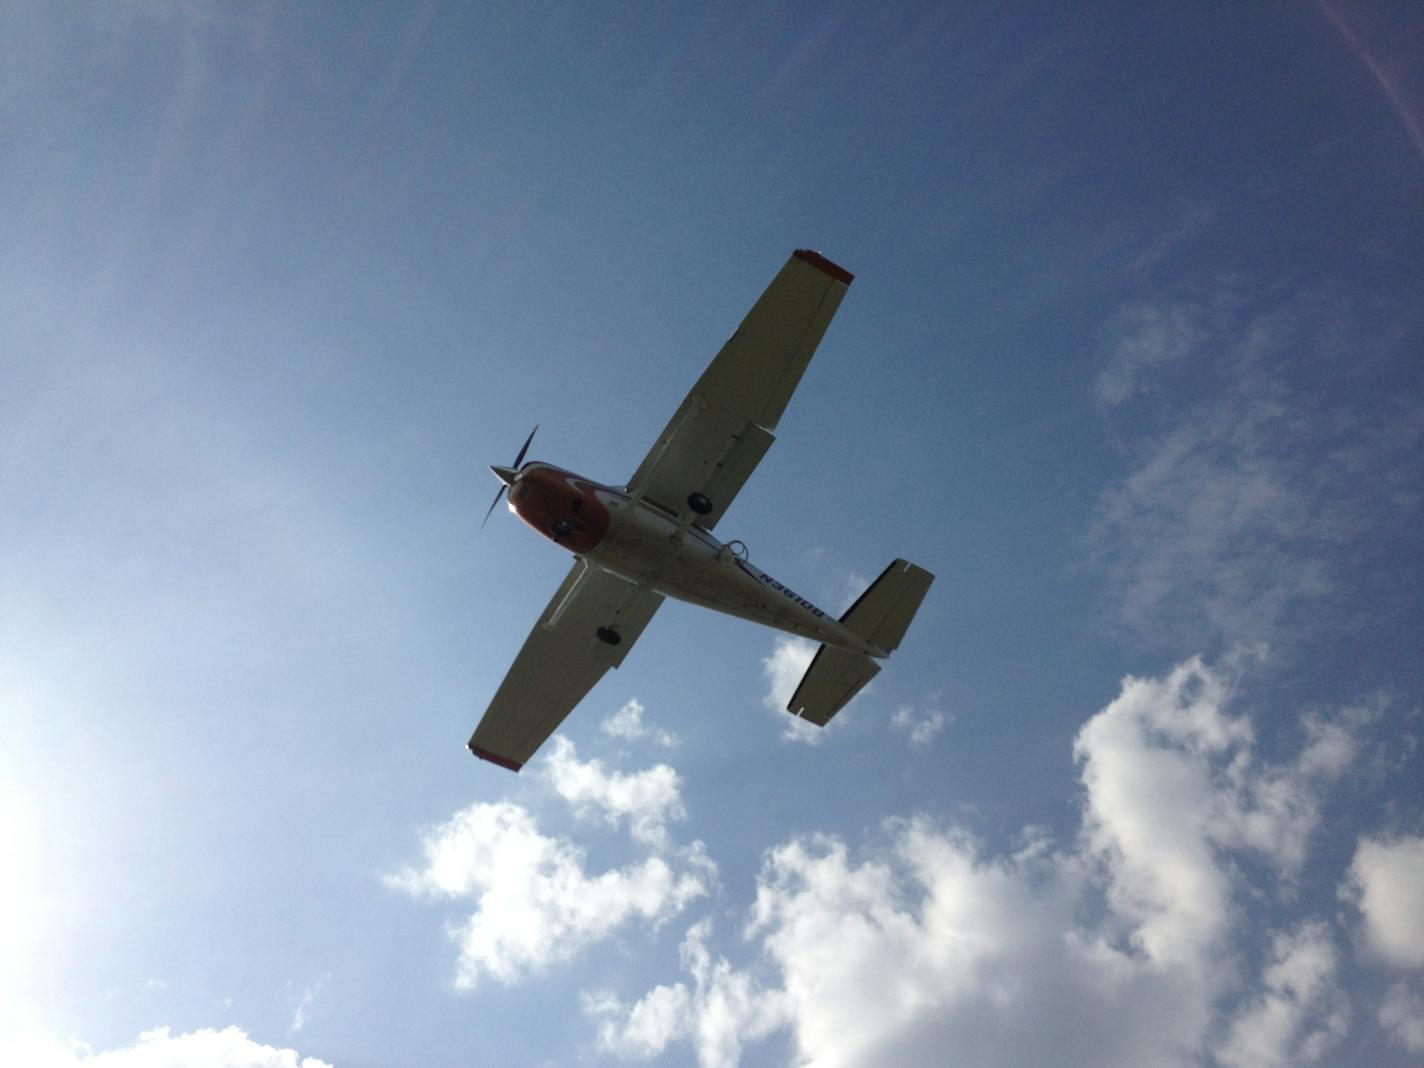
[882, 614]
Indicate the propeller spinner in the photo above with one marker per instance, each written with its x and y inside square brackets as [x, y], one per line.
[507, 475]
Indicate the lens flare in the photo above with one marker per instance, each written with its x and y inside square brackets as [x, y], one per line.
[1412, 125]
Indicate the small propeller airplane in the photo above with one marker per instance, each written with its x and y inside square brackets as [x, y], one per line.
[635, 545]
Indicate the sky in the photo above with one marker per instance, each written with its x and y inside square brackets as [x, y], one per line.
[1132, 363]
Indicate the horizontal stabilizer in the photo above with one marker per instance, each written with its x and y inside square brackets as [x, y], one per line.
[882, 614]
[834, 677]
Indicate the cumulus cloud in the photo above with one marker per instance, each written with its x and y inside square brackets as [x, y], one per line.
[1123, 946]
[158, 1048]
[627, 723]
[924, 946]
[644, 1030]
[647, 799]
[1386, 882]
[723, 1009]
[534, 902]
[1171, 783]
[783, 670]
[1300, 1012]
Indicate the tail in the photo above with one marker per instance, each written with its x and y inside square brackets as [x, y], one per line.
[880, 616]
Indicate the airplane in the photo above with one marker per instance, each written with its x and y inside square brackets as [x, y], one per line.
[637, 544]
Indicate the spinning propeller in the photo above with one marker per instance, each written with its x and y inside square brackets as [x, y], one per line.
[507, 475]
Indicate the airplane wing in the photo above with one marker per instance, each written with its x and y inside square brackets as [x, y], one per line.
[723, 429]
[561, 660]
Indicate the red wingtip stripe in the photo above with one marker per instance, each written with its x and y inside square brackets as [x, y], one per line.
[495, 758]
[816, 260]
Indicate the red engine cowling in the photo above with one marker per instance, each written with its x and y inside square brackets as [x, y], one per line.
[560, 505]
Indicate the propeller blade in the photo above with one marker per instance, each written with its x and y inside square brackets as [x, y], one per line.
[497, 496]
[507, 475]
[520, 458]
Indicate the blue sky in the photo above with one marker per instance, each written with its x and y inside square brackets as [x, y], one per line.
[1131, 362]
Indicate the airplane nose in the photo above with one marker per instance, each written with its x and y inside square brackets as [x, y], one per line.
[507, 475]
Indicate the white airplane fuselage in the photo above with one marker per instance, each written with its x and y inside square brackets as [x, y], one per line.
[656, 549]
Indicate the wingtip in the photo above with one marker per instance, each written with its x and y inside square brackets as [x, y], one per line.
[494, 758]
[816, 260]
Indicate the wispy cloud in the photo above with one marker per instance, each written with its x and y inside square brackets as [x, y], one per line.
[1191, 221]
[1256, 494]
[1142, 338]
[1402, 1015]
[852, 586]
[306, 1001]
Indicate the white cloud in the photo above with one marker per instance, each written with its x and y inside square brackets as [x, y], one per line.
[307, 1001]
[1332, 744]
[783, 670]
[1141, 338]
[28, 1045]
[1210, 536]
[646, 799]
[628, 723]
[662, 1016]
[724, 1009]
[534, 904]
[1125, 947]
[1171, 783]
[1402, 1016]
[1193, 219]
[1261, 490]
[852, 586]
[1299, 1014]
[921, 726]
[925, 946]
[1386, 881]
